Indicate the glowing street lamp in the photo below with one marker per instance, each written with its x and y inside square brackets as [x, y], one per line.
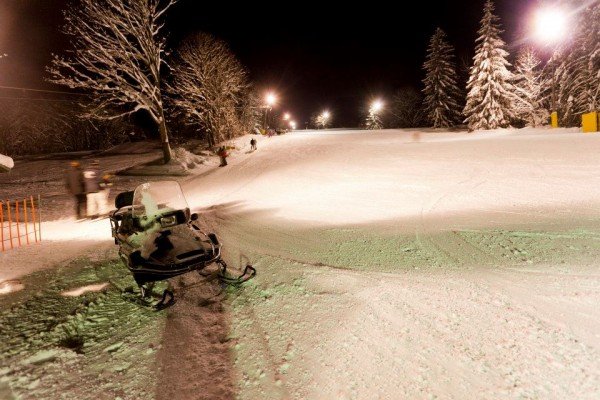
[293, 124]
[550, 25]
[270, 100]
[376, 106]
[286, 116]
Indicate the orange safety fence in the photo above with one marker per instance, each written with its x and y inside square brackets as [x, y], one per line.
[20, 222]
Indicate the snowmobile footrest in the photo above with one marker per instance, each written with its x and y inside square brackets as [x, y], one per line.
[164, 303]
[249, 273]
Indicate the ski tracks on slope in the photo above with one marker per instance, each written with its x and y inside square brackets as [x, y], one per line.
[444, 245]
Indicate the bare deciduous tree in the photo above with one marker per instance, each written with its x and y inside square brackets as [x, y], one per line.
[407, 109]
[14, 130]
[117, 55]
[210, 88]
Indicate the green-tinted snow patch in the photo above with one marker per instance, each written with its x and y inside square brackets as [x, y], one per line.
[537, 247]
[56, 346]
[279, 301]
[364, 250]
[360, 249]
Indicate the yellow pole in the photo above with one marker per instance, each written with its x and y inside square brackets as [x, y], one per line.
[554, 119]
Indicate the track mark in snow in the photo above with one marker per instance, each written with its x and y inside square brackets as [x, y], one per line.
[447, 246]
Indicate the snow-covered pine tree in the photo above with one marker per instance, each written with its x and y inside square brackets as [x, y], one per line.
[578, 74]
[442, 95]
[490, 100]
[528, 88]
[373, 120]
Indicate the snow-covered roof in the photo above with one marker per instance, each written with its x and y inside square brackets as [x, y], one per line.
[6, 163]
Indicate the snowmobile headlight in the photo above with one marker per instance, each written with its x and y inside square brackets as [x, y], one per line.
[168, 221]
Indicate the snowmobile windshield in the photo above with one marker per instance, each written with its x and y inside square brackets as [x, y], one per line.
[154, 199]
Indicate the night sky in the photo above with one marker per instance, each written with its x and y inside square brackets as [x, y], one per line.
[314, 56]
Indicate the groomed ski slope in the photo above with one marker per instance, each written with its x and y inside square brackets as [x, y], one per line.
[394, 264]
[391, 265]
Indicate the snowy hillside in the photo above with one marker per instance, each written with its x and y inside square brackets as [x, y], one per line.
[391, 264]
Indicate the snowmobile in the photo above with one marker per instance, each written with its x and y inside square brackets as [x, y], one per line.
[159, 239]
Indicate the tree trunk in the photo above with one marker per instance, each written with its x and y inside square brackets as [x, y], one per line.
[164, 138]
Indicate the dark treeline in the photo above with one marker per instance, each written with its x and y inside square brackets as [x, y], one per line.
[36, 126]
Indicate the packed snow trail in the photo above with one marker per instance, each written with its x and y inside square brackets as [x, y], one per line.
[460, 266]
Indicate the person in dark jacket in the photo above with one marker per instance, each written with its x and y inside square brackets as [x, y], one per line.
[91, 180]
[222, 153]
[252, 144]
[75, 186]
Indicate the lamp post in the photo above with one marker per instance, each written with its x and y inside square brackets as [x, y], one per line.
[550, 27]
[326, 117]
[270, 100]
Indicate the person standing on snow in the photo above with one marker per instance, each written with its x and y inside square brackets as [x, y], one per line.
[252, 144]
[105, 185]
[91, 179]
[76, 187]
[222, 153]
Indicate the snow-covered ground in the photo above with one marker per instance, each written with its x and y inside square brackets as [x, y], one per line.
[395, 264]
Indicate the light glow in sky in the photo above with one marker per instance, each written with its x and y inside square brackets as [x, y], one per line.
[550, 25]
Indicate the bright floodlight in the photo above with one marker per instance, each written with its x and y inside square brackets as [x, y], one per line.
[326, 115]
[286, 116]
[550, 25]
[270, 99]
[293, 124]
[376, 106]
